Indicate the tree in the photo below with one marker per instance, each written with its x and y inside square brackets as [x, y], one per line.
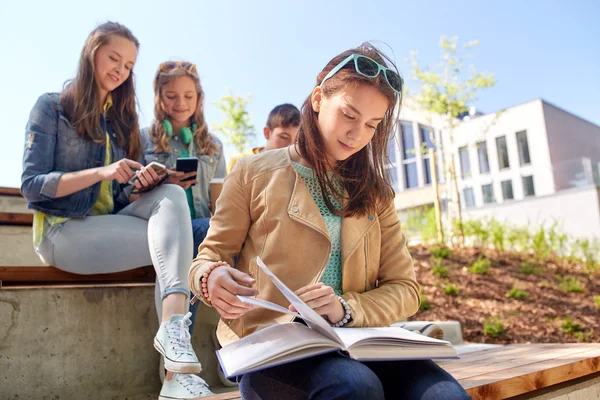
[237, 129]
[448, 92]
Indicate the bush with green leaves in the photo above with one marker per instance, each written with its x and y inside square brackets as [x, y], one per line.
[493, 327]
[597, 302]
[481, 266]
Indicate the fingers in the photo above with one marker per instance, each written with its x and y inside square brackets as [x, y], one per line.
[309, 288]
[241, 277]
[133, 164]
[121, 176]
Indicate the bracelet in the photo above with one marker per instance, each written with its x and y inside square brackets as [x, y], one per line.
[204, 281]
[347, 314]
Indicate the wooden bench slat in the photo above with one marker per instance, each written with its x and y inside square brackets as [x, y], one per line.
[10, 218]
[501, 368]
[11, 276]
[522, 369]
[531, 377]
[6, 191]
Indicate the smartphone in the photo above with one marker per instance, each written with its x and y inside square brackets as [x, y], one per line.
[156, 166]
[188, 164]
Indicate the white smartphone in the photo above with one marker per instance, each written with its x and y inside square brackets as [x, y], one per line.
[156, 166]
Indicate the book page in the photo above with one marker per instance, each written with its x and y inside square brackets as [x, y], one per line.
[266, 304]
[271, 346]
[359, 336]
[311, 317]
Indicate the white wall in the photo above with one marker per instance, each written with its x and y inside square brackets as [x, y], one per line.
[576, 210]
[570, 138]
[525, 117]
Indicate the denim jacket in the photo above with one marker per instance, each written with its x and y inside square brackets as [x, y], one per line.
[52, 147]
[209, 167]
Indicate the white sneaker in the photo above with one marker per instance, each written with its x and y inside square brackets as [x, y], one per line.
[173, 341]
[184, 386]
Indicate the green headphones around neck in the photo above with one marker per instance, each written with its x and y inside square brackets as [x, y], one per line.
[186, 134]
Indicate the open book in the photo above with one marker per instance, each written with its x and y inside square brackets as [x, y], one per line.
[282, 343]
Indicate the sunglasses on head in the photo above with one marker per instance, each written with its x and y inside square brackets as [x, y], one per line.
[171, 65]
[370, 68]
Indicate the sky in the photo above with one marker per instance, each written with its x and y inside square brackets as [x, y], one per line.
[273, 50]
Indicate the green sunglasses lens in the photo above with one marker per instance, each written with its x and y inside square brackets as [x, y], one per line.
[367, 67]
[394, 80]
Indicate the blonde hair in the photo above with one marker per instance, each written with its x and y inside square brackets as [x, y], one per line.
[204, 141]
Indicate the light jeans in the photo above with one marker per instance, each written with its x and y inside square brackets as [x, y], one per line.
[155, 229]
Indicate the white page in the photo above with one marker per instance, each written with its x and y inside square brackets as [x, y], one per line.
[269, 344]
[350, 336]
[266, 304]
[311, 317]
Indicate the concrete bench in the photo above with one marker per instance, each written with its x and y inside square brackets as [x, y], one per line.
[542, 371]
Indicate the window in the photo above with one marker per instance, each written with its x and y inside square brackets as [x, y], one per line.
[408, 141]
[528, 188]
[488, 194]
[393, 176]
[392, 146]
[426, 137]
[426, 144]
[465, 165]
[502, 152]
[507, 190]
[468, 198]
[410, 175]
[482, 155]
[409, 154]
[523, 145]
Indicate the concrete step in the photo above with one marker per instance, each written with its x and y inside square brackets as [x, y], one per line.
[88, 343]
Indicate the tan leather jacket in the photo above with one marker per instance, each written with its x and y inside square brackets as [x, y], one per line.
[266, 210]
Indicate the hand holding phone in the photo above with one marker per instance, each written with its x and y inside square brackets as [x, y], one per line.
[187, 165]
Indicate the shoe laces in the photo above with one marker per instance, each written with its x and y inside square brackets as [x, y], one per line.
[179, 334]
[195, 385]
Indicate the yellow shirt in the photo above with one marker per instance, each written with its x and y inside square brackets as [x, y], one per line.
[104, 205]
[235, 158]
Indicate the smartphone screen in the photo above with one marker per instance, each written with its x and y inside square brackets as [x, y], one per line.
[187, 164]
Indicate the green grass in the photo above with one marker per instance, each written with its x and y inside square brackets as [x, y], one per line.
[517, 294]
[530, 269]
[493, 327]
[570, 284]
[451, 289]
[481, 266]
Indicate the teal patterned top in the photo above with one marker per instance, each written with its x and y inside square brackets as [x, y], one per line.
[332, 276]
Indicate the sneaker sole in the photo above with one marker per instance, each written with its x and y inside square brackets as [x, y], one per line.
[177, 367]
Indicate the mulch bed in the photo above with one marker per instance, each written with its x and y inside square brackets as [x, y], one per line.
[539, 318]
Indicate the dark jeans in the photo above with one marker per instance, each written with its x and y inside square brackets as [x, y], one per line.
[200, 229]
[334, 376]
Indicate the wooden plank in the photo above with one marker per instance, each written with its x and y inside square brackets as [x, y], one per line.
[526, 356]
[532, 377]
[11, 276]
[6, 191]
[10, 218]
[87, 285]
[522, 369]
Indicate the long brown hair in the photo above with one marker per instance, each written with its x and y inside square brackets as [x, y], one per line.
[204, 141]
[81, 102]
[363, 174]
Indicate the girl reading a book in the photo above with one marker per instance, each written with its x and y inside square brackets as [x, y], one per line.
[321, 215]
[82, 147]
